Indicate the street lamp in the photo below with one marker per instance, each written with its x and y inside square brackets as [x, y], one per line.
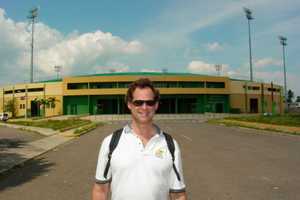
[283, 43]
[33, 13]
[218, 68]
[249, 17]
[57, 70]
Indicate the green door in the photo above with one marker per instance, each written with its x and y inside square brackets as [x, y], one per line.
[73, 109]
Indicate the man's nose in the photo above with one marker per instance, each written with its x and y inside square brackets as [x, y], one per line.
[144, 105]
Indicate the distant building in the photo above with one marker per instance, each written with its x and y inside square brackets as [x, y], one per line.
[294, 105]
[105, 94]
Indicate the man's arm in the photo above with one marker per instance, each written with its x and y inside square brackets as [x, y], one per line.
[178, 196]
[100, 191]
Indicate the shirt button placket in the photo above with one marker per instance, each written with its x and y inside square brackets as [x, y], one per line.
[141, 146]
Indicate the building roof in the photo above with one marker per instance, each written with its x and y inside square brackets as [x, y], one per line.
[143, 73]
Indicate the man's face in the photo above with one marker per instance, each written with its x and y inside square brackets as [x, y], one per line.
[142, 106]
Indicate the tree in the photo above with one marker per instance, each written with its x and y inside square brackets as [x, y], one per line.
[298, 99]
[11, 106]
[290, 96]
[50, 101]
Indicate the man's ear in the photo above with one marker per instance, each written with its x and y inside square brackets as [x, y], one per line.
[156, 105]
[129, 105]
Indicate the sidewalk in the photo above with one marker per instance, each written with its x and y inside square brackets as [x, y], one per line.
[18, 156]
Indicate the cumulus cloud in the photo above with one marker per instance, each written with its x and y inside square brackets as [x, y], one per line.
[267, 62]
[114, 67]
[79, 53]
[202, 67]
[151, 70]
[215, 46]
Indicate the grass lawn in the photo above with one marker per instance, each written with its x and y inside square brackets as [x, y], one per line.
[286, 120]
[61, 125]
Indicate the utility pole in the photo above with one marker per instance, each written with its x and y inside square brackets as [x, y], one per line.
[283, 43]
[249, 17]
[33, 13]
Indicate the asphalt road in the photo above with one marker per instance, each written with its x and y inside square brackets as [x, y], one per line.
[219, 163]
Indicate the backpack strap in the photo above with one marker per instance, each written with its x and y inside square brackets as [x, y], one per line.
[112, 145]
[171, 147]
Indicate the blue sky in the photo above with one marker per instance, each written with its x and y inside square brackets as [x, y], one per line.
[88, 37]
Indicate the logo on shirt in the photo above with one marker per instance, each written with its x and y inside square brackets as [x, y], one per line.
[160, 152]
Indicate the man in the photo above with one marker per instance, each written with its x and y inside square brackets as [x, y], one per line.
[141, 166]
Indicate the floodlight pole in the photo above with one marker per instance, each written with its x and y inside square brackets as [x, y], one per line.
[32, 15]
[284, 43]
[249, 17]
[57, 70]
[218, 69]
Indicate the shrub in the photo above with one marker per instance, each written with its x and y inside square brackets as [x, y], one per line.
[235, 110]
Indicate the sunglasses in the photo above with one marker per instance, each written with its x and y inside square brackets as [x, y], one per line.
[141, 102]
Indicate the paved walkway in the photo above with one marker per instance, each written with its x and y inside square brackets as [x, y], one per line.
[13, 157]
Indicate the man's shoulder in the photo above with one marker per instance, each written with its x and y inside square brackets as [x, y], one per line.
[108, 138]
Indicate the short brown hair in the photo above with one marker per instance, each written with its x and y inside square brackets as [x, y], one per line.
[141, 83]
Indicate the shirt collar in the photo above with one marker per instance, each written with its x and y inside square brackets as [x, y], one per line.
[128, 129]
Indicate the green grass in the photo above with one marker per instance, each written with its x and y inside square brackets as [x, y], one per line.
[61, 125]
[239, 124]
[87, 128]
[286, 120]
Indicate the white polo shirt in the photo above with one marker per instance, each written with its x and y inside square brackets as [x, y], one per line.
[137, 172]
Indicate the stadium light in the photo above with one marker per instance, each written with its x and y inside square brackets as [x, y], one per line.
[33, 13]
[284, 43]
[249, 17]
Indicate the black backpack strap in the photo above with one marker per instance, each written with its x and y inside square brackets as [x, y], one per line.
[171, 148]
[112, 145]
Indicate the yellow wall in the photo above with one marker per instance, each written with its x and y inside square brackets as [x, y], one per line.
[239, 94]
[51, 89]
[131, 78]
[235, 89]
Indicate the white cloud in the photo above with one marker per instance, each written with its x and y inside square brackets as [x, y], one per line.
[215, 46]
[207, 68]
[267, 62]
[201, 67]
[134, 47]
[114, 67]
[76, 53]
[151, 70]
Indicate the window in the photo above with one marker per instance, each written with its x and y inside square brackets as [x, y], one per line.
[273, 90]
[255, 88]
[103, 85]
[191, 84]
[160, 84]
[35, 89]
[19, 90]
[8, 92]
[124, 84]
[252, 87]
[74, 86]
[215, 84]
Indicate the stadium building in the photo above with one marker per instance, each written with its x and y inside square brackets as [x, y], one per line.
[105, 94]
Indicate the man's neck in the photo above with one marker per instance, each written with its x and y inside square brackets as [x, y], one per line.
[146, 130]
